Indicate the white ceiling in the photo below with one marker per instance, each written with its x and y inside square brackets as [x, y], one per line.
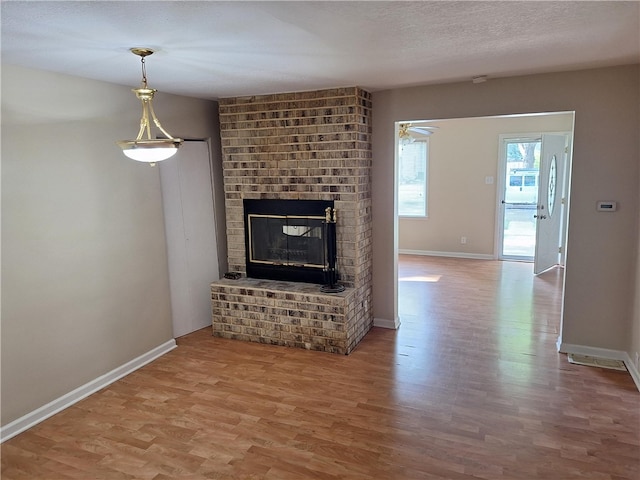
[211, 49]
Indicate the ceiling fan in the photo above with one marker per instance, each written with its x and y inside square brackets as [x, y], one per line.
[407, 129]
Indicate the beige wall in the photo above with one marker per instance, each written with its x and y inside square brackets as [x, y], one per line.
[462, 153]
[599, 292]
[84, 272]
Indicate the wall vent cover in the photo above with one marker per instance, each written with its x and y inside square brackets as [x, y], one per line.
[596, 361]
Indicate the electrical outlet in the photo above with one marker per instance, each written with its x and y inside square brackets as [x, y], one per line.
[463, 240]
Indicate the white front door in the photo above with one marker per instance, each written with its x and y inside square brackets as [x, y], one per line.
[549, 212]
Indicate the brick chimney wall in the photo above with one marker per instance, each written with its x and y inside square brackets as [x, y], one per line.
[304, 146]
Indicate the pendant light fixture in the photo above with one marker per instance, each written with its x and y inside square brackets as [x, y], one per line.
[148, 149]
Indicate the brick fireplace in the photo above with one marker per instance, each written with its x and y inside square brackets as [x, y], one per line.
[298, 146]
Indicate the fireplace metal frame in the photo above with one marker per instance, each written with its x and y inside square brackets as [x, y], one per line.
[293, 209]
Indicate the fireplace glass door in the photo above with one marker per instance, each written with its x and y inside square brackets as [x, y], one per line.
[286, 240]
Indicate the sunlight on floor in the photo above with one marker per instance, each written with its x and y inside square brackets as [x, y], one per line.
[422, 278]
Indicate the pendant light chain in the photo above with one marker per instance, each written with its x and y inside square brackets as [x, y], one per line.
[144, 72]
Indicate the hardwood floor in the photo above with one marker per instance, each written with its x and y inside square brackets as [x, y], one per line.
[469, 387]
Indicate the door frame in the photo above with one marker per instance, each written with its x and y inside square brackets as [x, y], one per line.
[501, 186]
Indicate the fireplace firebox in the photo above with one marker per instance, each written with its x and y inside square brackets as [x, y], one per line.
[288, 239]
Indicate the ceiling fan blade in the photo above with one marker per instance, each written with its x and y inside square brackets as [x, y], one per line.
[426, 130]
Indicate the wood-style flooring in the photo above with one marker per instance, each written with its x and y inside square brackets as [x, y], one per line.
[469, 387]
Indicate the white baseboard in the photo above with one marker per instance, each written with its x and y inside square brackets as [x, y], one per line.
[602, 353]
[386, 323]
[30, 419]
[429, 253]
[635, 374]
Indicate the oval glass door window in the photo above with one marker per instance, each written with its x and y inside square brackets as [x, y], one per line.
[553, 176]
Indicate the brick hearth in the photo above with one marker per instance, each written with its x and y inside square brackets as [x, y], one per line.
[306, 145]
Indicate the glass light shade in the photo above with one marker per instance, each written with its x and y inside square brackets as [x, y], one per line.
[407, 140]
[150, 151]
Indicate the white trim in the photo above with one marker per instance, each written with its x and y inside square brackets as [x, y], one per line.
[559, 344]
[635, 374]
[386, 323]
[30, 419]
[602, 353]
[477, 256]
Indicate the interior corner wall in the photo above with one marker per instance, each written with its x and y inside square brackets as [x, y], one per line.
[84, 269]
[600, 271]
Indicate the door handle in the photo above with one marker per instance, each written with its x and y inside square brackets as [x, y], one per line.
[541, 217]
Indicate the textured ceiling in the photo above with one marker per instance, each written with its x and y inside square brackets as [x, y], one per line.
[212, 49]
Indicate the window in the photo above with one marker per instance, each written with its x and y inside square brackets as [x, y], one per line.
[412, 179]
[515, 181]
[529, 180]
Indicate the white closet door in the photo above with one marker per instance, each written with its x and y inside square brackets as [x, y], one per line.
[187, 198]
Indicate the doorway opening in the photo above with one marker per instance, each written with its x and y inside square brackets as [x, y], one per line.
[466, 184]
